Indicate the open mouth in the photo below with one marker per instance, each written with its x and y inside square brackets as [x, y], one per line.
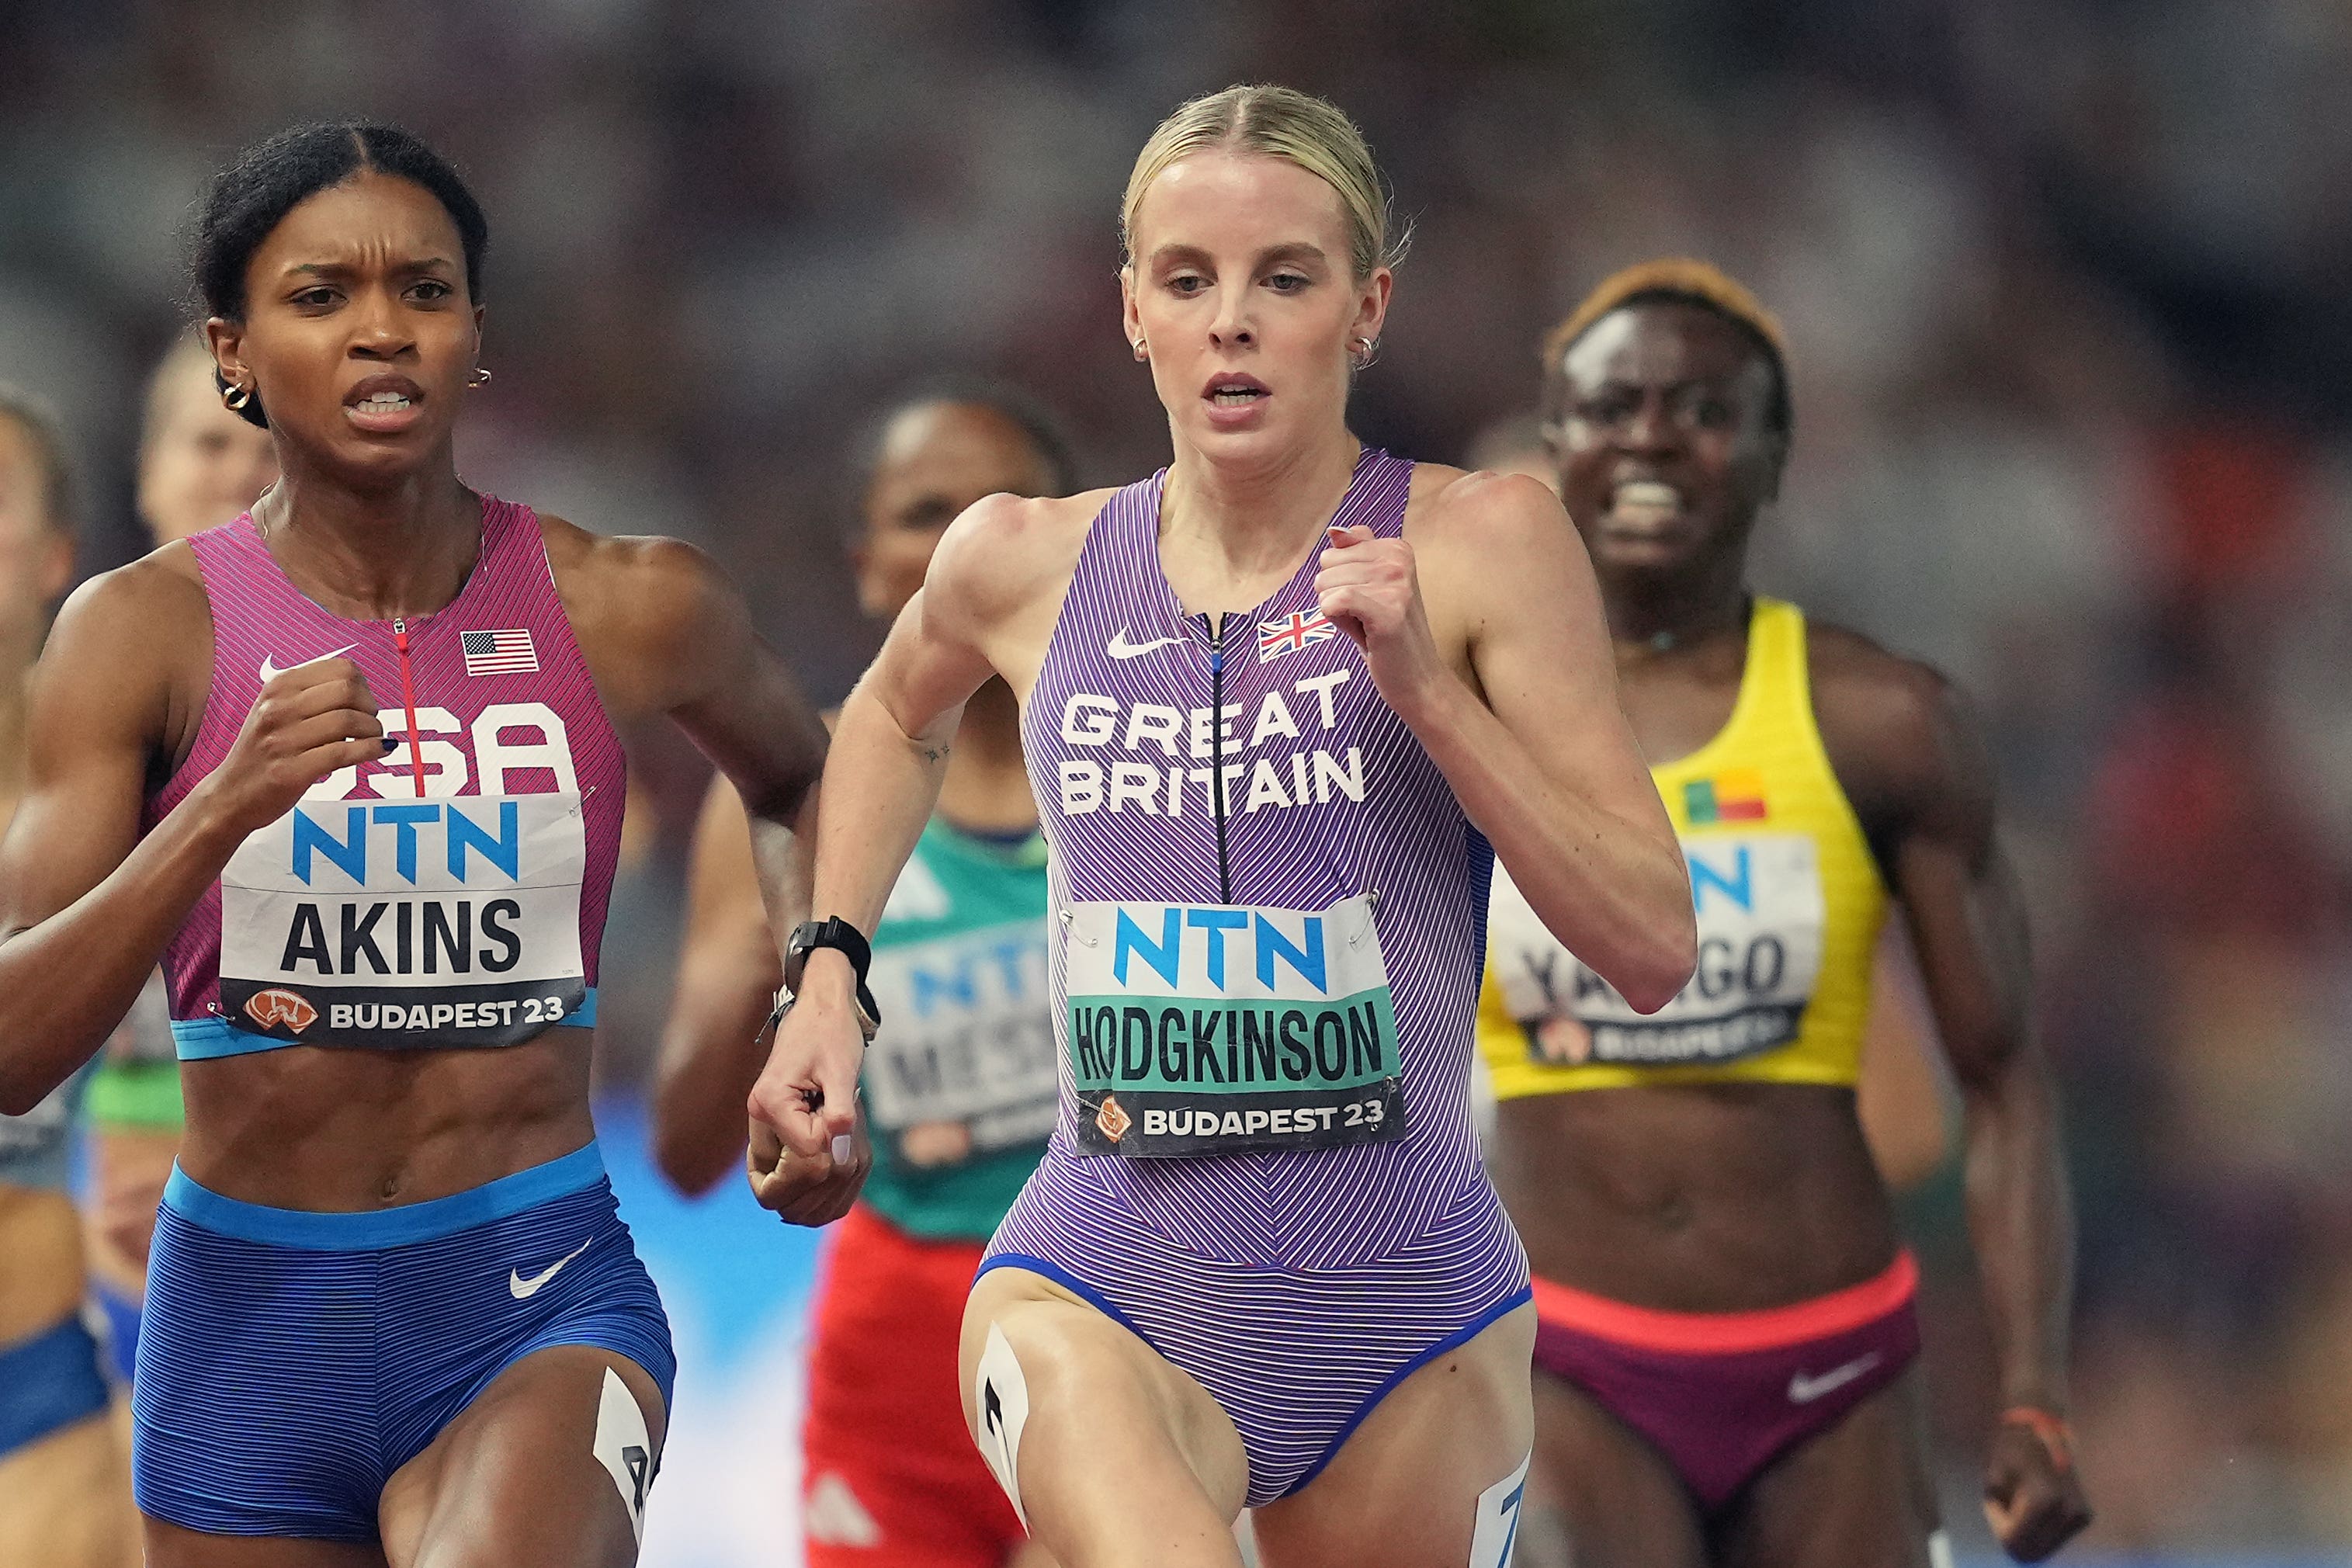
[382, 401]
[1236, 391]
[1645, 503]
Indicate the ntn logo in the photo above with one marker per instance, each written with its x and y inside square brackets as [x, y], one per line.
[1164, 951]
[489, 830]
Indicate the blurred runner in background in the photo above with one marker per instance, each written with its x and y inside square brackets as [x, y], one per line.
[959, 1085]
[64, 1482]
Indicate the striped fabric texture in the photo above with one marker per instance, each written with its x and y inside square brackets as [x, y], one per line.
[1297, 1286]
[260, 617]
[280, 1386]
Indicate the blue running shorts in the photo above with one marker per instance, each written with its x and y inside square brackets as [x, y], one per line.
[47, 1383]
[290, 1361]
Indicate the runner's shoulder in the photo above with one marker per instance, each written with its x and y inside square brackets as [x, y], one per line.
[1897, 728]
[1005, 550]
[1479, 511]
[132, 630]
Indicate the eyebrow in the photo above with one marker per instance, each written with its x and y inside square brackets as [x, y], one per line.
[1294, 250]
[345, 268]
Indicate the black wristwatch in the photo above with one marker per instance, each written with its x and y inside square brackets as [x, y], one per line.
[843, 938]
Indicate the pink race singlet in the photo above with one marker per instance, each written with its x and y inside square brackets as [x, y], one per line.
[452, 894]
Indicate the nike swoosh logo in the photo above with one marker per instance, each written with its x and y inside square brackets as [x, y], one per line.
[270, 672]
[1121, 648]
[524, 1289]
[1804, 1390]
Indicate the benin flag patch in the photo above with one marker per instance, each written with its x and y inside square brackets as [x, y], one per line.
[1735, 795]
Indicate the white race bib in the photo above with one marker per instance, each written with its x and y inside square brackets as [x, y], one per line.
[445, 921]
[967, 1036]
[1760, 910]
[1213, 1029]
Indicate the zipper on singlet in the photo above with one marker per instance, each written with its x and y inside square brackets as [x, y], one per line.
[408, 704]
[1217, 747]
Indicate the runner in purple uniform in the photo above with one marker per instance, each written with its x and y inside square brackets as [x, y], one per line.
[1277, 701]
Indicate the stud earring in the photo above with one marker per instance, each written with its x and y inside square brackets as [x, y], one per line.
[1142, 353]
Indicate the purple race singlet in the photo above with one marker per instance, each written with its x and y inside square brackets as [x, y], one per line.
[453, 894]
[1265, 1165]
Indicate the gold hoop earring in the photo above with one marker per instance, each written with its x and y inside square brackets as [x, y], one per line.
[236, 396]
[480, 378]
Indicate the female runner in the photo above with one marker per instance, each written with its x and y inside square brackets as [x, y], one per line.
[1276, 702]
[1725, 1330]
[392, 1315]
[961, 1083]
[199, 467]
[61, 1470]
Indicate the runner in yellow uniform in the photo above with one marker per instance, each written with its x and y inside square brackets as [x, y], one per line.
[1726, 1331]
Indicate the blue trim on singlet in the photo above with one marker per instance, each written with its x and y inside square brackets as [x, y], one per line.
[202, 1040]
[47, 1383]
[307, 1230]
[1459, 1337]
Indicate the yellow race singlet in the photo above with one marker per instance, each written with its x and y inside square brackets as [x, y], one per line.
[1789, 898]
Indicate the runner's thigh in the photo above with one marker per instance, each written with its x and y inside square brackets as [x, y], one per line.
[515, 1481]
[171, 1546]
[1409, 1487]
[1122, 1457]
[1600, 1496]
[1856, 1496]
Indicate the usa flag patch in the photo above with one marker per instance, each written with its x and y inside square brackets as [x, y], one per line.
[507, 652]
[1292, 633]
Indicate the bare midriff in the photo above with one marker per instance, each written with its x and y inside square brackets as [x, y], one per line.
[1715, 1198]
[346, 1131]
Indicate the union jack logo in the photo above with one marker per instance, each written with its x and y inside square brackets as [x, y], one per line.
[1292, 633]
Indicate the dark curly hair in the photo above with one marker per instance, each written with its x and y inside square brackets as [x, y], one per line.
[250, 198]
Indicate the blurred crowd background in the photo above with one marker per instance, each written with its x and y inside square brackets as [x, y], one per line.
[2066, 282]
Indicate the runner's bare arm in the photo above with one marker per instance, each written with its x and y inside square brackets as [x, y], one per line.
[87, 906]
[1545, 764]
[1967, 921]
[977, 613]
[711, 1047]
[666, 634]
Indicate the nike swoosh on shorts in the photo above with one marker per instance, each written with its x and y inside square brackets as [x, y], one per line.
[1804, 1390]
[524, 1289]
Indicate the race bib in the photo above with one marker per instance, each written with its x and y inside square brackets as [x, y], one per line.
[449, 921]
[1761, 914]
[1212, 1029]
[967, 1036]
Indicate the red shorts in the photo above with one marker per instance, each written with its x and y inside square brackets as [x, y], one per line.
[1722, 1394]
[891, 1477]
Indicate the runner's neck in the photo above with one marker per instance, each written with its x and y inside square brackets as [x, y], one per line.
[1652, 618]
[1247, 522]
[404, 551]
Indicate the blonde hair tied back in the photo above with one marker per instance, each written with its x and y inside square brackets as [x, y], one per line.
[1275, 122]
